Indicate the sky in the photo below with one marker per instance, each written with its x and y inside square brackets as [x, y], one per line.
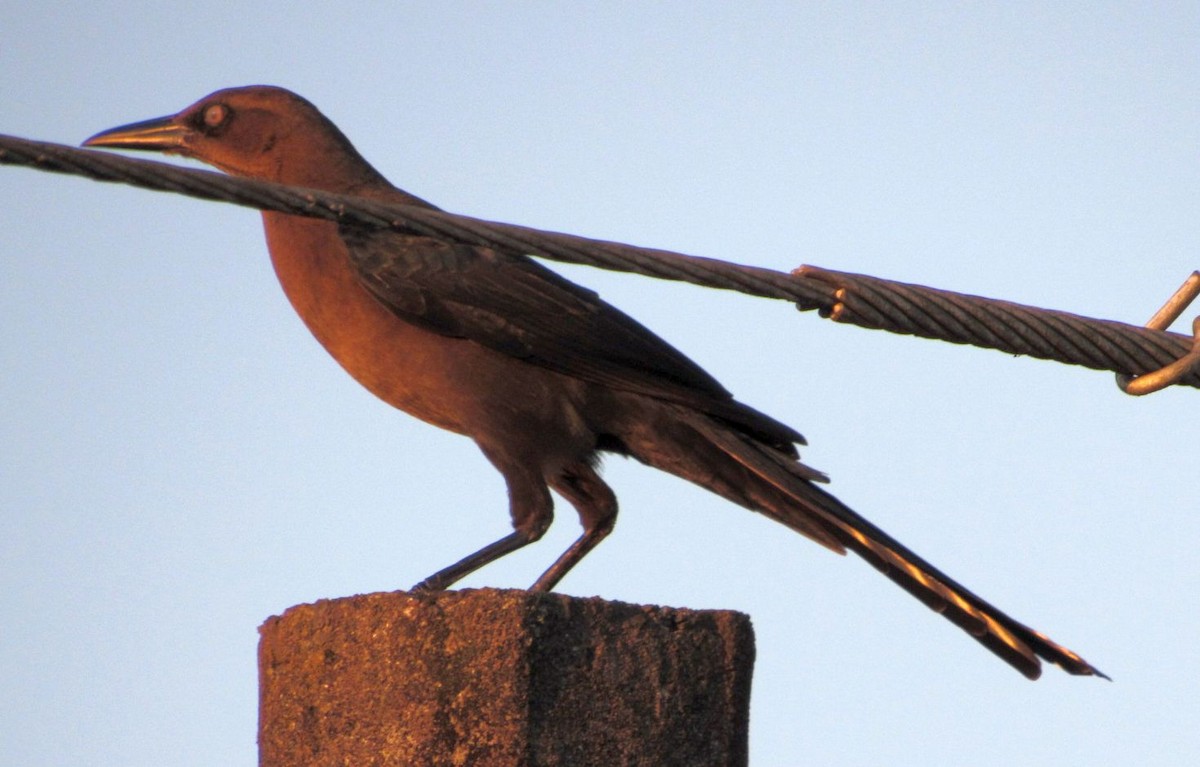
[180, 460]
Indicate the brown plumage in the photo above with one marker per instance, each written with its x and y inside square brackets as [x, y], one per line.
[540, 372]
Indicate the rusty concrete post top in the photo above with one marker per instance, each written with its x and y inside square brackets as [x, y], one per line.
[502, 677]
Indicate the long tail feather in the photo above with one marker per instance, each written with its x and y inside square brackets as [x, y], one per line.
[804, 506]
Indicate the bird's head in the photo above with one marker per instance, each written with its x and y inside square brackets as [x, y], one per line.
[258, 131]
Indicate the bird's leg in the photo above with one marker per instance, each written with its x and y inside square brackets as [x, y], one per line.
[532, 511]
[445, 577]
[597, 507]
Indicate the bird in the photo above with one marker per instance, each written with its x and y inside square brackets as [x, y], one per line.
[540, 372]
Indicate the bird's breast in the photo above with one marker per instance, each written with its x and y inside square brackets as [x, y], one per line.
[451, 383]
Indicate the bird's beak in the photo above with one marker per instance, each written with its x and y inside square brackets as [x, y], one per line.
[162, 134]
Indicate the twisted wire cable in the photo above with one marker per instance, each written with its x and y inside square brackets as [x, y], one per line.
[869, 302]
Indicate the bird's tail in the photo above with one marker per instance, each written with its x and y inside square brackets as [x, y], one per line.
[757, 476]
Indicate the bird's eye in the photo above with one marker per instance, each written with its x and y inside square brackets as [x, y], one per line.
[215, 115]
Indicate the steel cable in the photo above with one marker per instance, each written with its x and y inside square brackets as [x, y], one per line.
[858, 299]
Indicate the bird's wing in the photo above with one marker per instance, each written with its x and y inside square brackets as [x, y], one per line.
[514, 305]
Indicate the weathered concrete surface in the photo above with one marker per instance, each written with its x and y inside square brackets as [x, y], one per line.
[493, 678]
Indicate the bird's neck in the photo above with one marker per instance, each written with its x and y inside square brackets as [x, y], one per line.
[349, 175]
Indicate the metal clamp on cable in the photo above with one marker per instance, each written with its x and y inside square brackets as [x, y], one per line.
[1148, 383]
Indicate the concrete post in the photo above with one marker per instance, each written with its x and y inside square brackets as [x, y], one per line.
[493, 678]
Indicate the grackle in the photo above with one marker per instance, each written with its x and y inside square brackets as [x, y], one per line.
[541, 373]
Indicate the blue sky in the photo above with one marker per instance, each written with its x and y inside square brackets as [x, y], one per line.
[179, 459]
